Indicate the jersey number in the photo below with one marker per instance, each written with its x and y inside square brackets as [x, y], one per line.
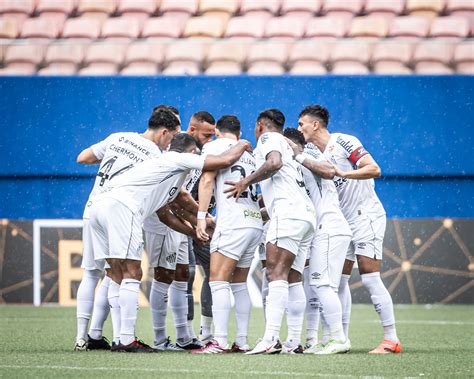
[104, 172]
[252, 190]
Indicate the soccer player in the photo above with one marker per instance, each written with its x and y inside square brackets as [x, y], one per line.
[116, 154]
[202, 127]
[355, 173]
[165, 251]
[118, 212]
[236, 236]
[328, 249]
[292, 222]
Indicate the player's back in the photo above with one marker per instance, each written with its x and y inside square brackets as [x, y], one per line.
[150, 185]
[325, 197]
[355, 196]
[284, 192]
[118, 153]
[230, 213]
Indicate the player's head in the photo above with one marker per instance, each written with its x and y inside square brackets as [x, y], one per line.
[183, 143]
[228, 124]
[169, 108]
[270, 120]
[202, 127]
[163, 125]
[311, 119]
[296, 136]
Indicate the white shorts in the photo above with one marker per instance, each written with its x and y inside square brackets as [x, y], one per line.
[166, 250]
[326, 260]
[292, 235]
[115, 231]
[367, 237]
[88, 261]
[237, 244]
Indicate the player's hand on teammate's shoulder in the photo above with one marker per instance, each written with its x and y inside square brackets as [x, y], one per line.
[247, 144]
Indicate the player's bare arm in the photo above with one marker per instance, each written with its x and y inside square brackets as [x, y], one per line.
[323, 169]
[368, 169]
[87, 157]
[271, 166]
[206, 188]
[227, 158]
[170, 219]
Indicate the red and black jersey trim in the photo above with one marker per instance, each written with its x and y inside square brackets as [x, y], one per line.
[357, 154]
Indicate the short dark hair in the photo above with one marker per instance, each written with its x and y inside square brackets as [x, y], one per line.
[203, 116]
[167, 107]
[316, 111]
[273, 117]
[229, 123]
[295, 135]
[181, 142]
[163, 118]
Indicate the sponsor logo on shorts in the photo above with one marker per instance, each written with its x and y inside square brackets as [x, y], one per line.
[315, 275]
[361, 245]
[253, 214]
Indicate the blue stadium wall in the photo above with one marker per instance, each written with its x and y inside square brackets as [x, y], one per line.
[419, 129]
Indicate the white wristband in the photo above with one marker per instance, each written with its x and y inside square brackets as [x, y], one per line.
[300, 158]
[201, 215]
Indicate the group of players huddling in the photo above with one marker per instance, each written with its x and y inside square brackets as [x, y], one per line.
[317, 213]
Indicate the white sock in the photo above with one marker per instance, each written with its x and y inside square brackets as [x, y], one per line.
[277, 300]
[159, 306]
[242, 309]
[85, 301]
[264, 290]
[332, 311]
[113, 297]
[382, 302]
[312, 310]
[326, 332]
[206, 326]
[179, 307]
[190, 329]
[220, 310]
[128, 309]
[101, 309]
[295, 316]
[345, 298]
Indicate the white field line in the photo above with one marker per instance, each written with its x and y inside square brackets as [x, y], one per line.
[171, 371]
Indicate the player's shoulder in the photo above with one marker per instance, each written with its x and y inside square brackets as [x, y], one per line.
[313, 151]
[347, 142]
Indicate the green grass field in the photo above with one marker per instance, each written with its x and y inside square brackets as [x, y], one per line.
[437, 341]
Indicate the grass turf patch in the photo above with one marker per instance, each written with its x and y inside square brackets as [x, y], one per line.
[437, 341]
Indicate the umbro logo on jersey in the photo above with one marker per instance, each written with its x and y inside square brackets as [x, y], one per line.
[345, 144]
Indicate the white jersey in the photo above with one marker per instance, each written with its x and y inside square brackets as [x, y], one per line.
[323, 192]
[284, 193]
[231, 214]
[152, 184]
[119, 152]
[355, 196]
